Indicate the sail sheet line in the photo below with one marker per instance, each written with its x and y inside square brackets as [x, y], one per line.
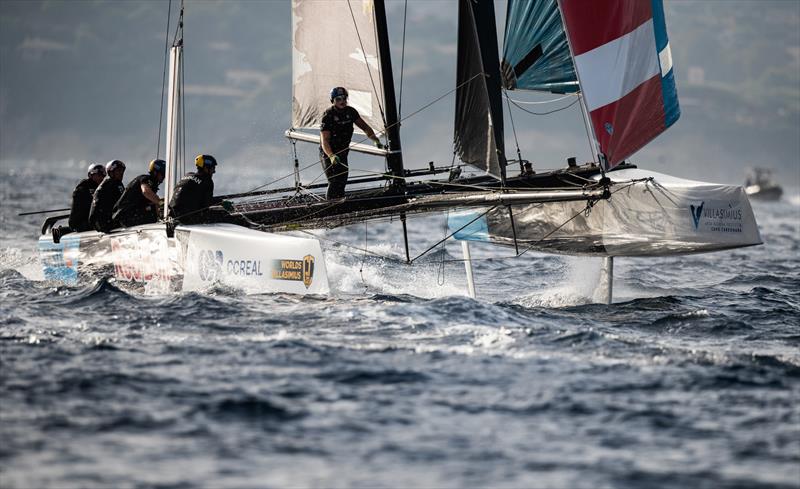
[543, 113]
[451, 235]
[542, 102]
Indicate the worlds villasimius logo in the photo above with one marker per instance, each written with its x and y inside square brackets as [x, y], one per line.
[697, 213]
[210, 265]
[299, 270]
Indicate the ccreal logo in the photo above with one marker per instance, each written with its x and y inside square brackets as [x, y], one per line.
[210, 265]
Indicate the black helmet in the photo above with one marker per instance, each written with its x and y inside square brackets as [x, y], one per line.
[203, 161]
[113, 165]
[339, 92]
[96, 169]
[158, 166]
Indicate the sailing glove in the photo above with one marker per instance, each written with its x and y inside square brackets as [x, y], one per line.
[377, 142]
[227, 205]
[335, 160]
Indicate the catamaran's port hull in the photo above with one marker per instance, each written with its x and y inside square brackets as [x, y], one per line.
[196, 258]
[648, 214]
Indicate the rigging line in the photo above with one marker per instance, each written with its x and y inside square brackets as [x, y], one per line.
[364, 139]
[478, 187]
[178, 27]
[451, 234]
[183, 106]
[544, 113]
[588, 134]
[402, 61]
[514, 130]
[378, 51]
[366, 61]
[505, 94]
[476, 75]
[163, 80]
[589, 204]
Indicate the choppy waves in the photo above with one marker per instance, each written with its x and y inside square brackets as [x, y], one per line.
[690, 379]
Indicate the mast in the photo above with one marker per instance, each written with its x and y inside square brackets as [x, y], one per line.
[174, 119]
[394, 158]
[485, 25]
[587, 120]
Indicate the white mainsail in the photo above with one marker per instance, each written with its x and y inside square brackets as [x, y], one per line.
[334, 43]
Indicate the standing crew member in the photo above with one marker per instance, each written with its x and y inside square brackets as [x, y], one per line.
[336, 130]
[194, 194]
[106, 196]
[81, 203]
[139, 202]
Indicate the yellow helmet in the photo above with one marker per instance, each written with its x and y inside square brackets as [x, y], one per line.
[203, 161]
[158, 166]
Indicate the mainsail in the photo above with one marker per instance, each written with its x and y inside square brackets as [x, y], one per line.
[334, 43]
[624, 65]
[479, 109]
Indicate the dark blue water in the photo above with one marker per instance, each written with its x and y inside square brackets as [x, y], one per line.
[690, 379]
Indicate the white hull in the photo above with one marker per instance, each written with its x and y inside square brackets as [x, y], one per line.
[196, 258]
[660, 216]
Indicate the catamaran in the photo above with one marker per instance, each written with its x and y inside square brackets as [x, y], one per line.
[612, 56]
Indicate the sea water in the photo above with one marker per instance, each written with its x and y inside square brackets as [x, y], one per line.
[691, 378]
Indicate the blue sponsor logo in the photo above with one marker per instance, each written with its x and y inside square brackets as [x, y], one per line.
[210, 265]
[609, 128]
[697, 212]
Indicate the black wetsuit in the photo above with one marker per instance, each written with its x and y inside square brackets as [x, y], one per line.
[81, 205]
[79, 211]
[105, 197]
[340, 125]
[133, 208]
[193, 195]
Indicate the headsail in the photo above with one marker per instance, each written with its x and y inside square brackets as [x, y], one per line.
[535, 51]
[624, 65]
[334, 43]
[479, 108]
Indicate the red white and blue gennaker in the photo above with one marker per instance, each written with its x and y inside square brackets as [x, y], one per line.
[624, 65]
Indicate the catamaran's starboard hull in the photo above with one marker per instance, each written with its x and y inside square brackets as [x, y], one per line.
[648, 214]
[198, 257]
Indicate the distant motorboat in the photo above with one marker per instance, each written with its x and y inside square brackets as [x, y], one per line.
[760, 185]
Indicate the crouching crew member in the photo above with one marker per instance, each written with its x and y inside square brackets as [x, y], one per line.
[106, 196]
[81, 203]
[194, 194]
[139, 202]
